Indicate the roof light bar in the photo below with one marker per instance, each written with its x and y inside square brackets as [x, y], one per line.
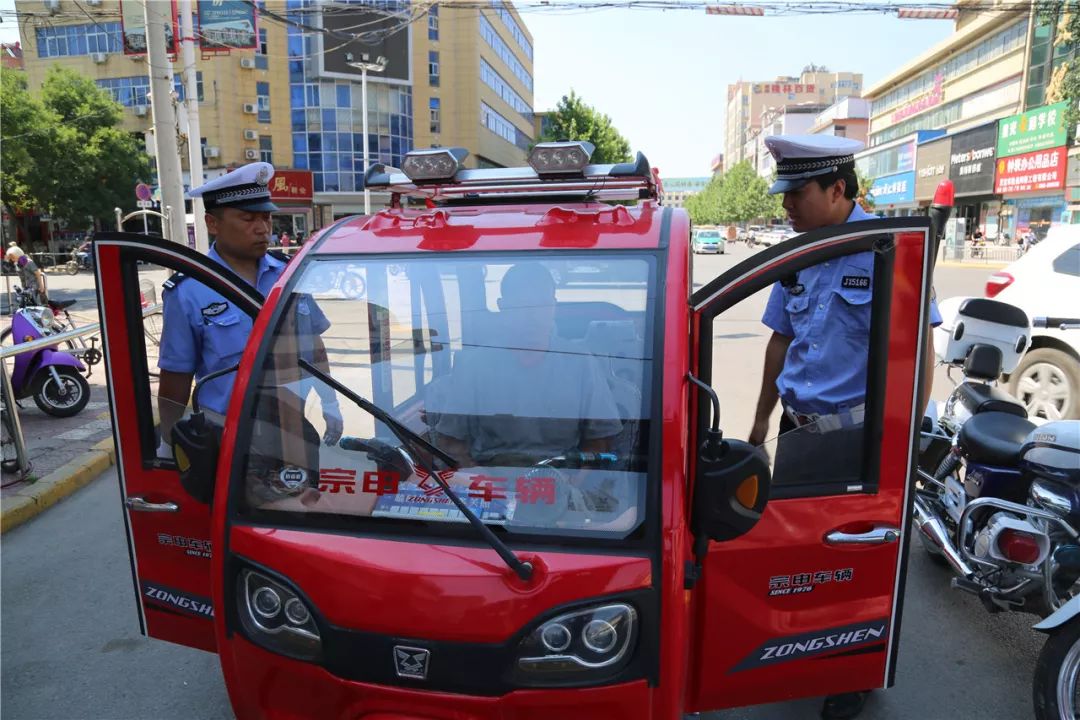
[434, 165]
[734, 10]
[560, 158]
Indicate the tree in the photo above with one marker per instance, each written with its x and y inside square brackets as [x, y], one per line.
[745, 195]
[864, 198]
[1064, 81]
[704, 207]
[66, 152]
[575, 120]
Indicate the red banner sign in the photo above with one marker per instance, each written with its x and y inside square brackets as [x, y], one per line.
[1042, 170]
[291, 185]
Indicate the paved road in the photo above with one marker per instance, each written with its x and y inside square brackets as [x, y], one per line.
[71, 647]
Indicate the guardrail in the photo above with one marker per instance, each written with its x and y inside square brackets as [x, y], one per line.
[10, 408]
[981, 254]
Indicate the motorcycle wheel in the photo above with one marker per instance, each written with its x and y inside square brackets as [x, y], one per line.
[1055, 685]
[63, 400]
[353, 286]
[72, 267]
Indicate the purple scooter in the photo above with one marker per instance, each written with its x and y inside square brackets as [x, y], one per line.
[53, 377]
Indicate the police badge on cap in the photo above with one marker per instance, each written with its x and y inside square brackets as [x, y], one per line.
[802, 157]
[246, 188]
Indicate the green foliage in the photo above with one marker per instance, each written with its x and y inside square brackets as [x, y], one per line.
[65, 152]
[704, 207]
[745, 196]
[864, 198]
[575, 120]
[1064, 82]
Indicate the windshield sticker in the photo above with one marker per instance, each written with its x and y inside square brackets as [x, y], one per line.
[796, 647]
[292, 478]
[804, 582]
[192, 547]
[178, 600]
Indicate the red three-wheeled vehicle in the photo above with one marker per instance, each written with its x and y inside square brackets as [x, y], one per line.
[536, 509]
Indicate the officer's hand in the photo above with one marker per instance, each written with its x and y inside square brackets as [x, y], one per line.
[758, 432]
[334, 424]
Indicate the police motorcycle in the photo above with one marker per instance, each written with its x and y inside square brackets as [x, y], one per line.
[381, 576]
[1002, 507]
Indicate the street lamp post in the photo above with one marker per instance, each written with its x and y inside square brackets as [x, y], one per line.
[365, 65]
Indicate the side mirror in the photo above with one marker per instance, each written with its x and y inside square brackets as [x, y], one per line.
[195, 442]
[731, 489]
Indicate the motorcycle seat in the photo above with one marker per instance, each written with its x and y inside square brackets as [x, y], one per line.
[994, 438]
[978, 398]
[61, 304]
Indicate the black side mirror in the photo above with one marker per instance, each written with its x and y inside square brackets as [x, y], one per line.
[195, 443]
[731, 489]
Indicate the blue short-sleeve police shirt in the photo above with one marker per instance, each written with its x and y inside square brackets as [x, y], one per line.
[203, 332]
[827, 316]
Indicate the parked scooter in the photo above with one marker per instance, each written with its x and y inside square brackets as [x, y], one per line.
[53, 377]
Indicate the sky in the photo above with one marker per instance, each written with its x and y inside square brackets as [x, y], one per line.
[662, 75]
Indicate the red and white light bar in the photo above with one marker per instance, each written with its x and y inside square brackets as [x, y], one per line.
[734, 10]
[927, 14]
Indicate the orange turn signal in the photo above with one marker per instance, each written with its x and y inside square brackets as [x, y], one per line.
[748, 492]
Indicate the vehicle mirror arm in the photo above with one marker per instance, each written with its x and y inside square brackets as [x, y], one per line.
[205, 379]
[522, 569]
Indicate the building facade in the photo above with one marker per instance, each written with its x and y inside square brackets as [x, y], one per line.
[789, 120]
[455, 77]
[746, 100]
[848, 117]
[677, 190]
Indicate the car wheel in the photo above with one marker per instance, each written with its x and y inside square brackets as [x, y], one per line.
[1047, 381]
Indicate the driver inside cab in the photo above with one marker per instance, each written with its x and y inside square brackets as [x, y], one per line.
[522, 394]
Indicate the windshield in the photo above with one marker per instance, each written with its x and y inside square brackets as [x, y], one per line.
[708, 235]
[533, 375]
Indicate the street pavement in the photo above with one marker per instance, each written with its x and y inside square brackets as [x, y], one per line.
[71, 645]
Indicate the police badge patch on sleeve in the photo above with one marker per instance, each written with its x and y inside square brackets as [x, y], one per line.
[214, 309]
[856, 282]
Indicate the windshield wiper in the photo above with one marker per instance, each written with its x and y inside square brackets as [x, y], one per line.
[408, 437]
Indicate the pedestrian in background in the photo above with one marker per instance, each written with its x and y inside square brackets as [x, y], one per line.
[31, 278]
[816, 360]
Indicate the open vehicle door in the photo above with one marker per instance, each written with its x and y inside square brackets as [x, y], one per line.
[808, 602]
[168, 532]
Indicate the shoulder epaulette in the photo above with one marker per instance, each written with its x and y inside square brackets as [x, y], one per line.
[278, 255]
[174, 280]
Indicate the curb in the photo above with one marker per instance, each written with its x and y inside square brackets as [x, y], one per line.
[57, 485]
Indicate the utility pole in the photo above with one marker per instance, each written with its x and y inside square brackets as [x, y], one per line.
[191, 99]
[365, 65]
[164, 117]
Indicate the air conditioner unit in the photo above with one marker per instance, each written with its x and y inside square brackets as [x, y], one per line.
[250, 154]
[247, 63]
[93, 3]
[251, 134]
[53, 6]
[141, 110]
[211, 151]
[251, 108]
[99, 57]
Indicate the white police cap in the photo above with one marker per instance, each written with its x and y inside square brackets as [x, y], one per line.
[801, 157]
[246, 188]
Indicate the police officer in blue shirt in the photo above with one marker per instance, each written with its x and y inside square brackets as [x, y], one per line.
[816, 359]
[203, 332]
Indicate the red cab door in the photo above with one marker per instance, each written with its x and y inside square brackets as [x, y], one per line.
[168, 532]
[808, 602]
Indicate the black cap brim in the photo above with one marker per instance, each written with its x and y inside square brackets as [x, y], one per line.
[783, 186]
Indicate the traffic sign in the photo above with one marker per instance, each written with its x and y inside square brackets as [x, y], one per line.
[145, 203]
[142, 192]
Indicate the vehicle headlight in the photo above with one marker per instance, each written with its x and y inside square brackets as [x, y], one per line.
[276, 618]
[579, 642]
[42, 317]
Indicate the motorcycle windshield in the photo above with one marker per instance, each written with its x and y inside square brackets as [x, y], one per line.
[534, 375]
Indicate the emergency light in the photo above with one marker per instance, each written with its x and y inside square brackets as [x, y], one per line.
[560, 158]
[433, 165]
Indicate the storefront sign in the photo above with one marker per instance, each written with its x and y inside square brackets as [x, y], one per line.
[1036, 129]
[291, 186]
[971, 161]
[931, 167]
[133, 27]
[226, 24]
[760, 88]
[896, 189]
[925, 102]
[1043, 170]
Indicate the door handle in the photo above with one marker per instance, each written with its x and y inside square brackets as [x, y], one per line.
[137, 503]
[880, 535]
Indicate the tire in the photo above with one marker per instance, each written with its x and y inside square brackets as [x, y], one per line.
[72, 267]
[50, 401]
[353, 286]
[1058, 664]
[1047, 381]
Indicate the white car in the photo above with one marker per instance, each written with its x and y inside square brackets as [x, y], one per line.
[1045, 282]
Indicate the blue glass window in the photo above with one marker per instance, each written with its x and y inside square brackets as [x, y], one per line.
[329, 119]
[314, 142]
[316, 181]
[262, 96]
[69, 40]
[329, 142]
[344, 96]
[299, 120]
[299, 142]
[300, 161]
[313, 95]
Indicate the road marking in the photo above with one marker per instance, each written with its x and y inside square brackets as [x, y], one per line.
[90, 428]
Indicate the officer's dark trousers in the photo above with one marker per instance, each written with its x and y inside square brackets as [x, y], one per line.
[805, 457]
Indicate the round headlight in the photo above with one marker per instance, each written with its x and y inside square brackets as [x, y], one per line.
[296, 612]
[599, 636]
[556, 637]
[266, 602]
